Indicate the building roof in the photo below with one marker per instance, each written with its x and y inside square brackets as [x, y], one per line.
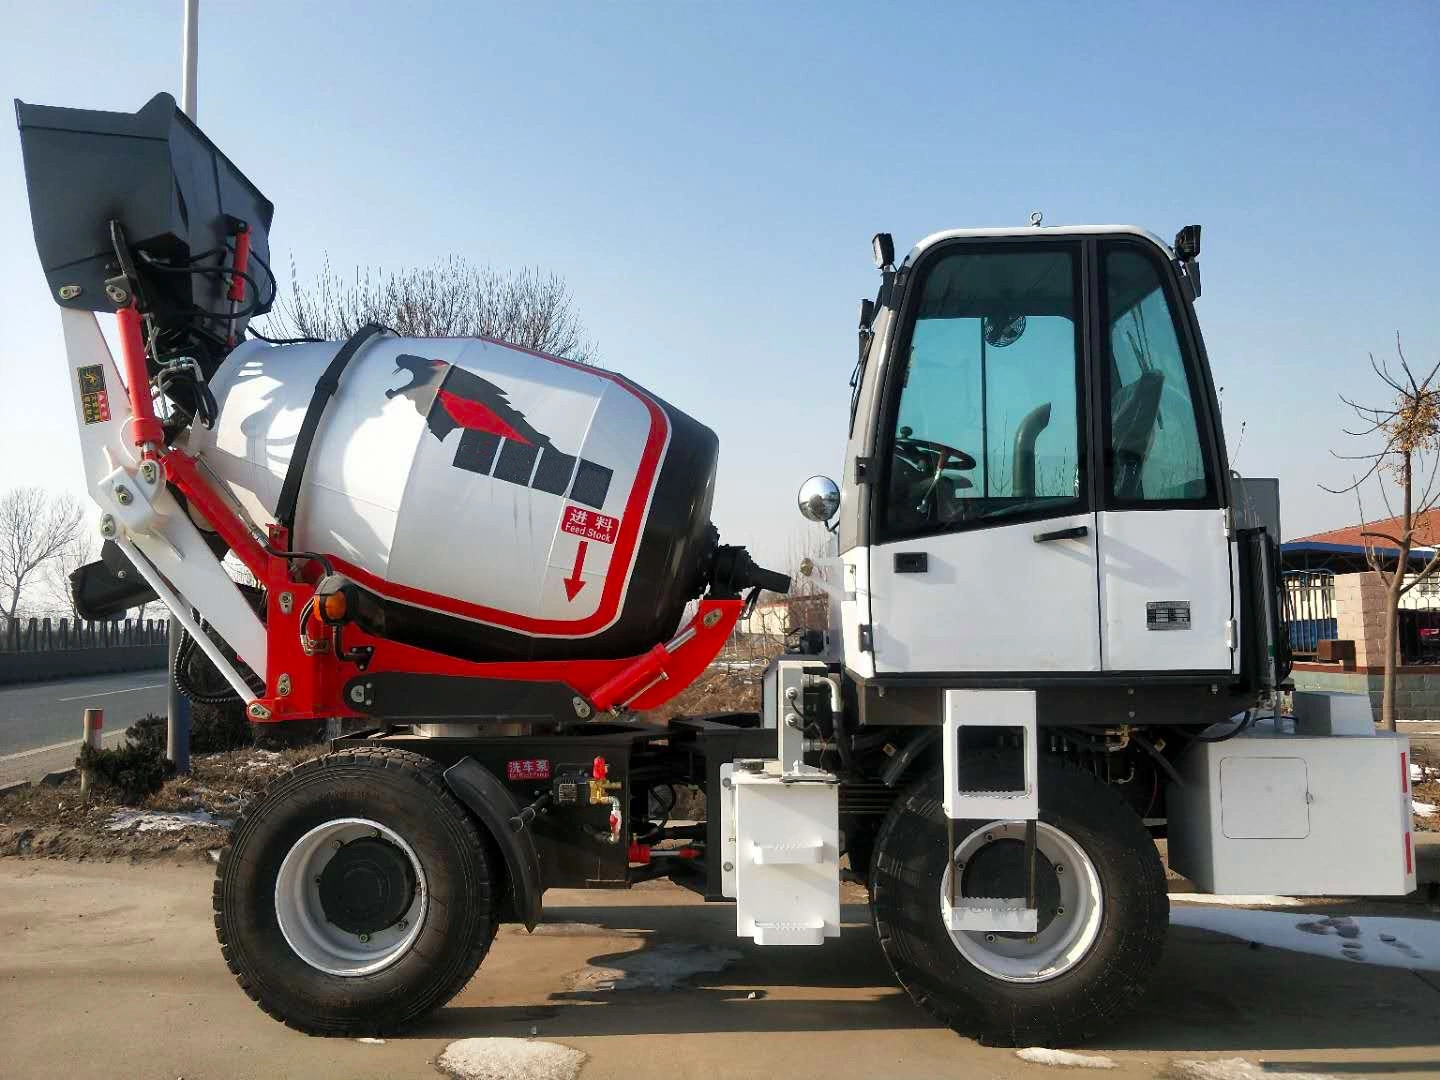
[1427, 532]
[1343, 551]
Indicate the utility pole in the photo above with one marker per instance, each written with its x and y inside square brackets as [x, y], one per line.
[177, 706]
[189, 46]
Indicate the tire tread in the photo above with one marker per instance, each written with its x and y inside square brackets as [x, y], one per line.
[428, 774]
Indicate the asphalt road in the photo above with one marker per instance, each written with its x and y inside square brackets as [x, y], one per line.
[44, 714]
[111, 972]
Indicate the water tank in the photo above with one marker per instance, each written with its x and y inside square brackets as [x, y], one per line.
[505, 504]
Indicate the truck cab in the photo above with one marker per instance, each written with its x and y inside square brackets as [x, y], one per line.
[1034, 435]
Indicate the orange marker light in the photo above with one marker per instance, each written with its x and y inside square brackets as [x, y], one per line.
[333, 607]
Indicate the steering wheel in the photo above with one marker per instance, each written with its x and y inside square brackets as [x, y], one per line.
[934, 457]
[928, 460]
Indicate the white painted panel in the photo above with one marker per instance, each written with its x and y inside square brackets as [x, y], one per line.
[787, 860]
[995, 709]
[1166, 558]
[990, 600]
[1264, 798]
[855, 611]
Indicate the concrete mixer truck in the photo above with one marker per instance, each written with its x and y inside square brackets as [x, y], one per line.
[1055, 626]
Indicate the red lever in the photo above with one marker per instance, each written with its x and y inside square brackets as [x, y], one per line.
[599, 770]
[242, 263]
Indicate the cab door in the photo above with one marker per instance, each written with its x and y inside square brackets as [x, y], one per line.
[983, 557]
[1163, 539]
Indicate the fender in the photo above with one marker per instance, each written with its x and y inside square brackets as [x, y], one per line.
[491, 802]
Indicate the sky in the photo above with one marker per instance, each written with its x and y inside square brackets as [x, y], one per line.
[707, 177]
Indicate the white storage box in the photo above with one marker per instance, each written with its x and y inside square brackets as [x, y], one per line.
[782, 855]
[1272, 812]
[1326, 712]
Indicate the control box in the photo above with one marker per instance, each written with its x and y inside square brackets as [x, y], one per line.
[1270, 811]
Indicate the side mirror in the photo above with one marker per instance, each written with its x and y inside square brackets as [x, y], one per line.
[819, 499]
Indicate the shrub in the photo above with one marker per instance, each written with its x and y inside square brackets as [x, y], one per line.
[133, 772]
[213, 729]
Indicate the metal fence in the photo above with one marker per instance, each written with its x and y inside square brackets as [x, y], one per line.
[1310, 616]
[1309, 609]
[45, 635]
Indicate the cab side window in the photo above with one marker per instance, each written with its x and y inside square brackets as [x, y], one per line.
[987, 428]
[1154, 452]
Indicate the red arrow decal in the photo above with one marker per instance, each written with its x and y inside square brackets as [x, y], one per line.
[573, 584]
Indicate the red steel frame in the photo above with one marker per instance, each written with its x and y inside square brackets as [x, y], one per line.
[300, 651]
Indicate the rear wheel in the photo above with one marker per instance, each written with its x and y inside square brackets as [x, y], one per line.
[1100, 894]
[355, 894]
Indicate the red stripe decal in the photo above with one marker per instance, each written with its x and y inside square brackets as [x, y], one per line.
[1404, 772]
[1409, 855]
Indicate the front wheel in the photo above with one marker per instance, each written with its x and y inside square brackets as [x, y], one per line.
[355, 894]
[1100, 893]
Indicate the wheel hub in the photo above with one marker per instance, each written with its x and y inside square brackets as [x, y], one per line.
[1068, 897]
[998, 869]
[351, 897]
[367, 887]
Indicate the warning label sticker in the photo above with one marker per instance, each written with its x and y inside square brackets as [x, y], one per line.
[94, 402]
[589, 525]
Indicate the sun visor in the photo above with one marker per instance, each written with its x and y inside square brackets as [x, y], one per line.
[168, 185]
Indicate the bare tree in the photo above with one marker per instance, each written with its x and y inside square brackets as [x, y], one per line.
[35, 529]
[58, 597]
[453, 298]
[1408, 427]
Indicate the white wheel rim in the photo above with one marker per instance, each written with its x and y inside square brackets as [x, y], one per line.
[317, 941]
[1033, 958]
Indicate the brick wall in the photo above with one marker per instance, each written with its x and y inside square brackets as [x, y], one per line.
[1417, 689]
[1360, 616]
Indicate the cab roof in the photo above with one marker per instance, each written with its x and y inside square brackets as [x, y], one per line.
[1035, 231]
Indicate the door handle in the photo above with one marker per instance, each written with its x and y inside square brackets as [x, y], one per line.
[1063, 534]
[911, 562]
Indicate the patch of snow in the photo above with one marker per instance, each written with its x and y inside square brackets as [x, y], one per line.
[1366, 939]
[655, 967]
[1225, 900]
[163, 821]
[369, 1041]
[1422, 809]
[510, 1059]
[1234, 1069]
[1039, 1055]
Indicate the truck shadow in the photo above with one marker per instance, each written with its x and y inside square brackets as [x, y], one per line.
[1212, 993]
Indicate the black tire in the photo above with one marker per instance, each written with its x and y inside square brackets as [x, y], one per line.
[905, 888]
[404, 792]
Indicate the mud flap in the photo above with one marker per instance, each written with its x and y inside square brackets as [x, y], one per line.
[490, 801]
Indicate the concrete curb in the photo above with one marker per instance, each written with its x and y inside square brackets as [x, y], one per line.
[13, 786]
[55, 779]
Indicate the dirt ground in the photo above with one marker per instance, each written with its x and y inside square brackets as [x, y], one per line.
[111, 972]
[58, 823]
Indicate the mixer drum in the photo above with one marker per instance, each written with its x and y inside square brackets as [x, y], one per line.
[506, 505]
